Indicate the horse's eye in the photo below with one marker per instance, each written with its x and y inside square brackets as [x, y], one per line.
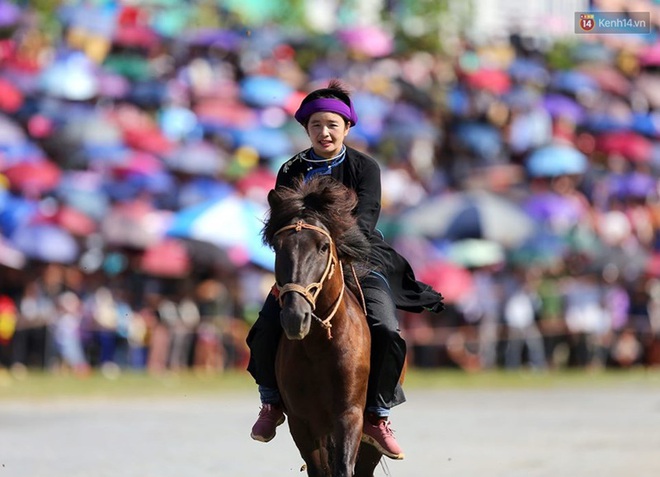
[325, 247]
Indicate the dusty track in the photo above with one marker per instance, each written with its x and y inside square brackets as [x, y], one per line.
[559, 432]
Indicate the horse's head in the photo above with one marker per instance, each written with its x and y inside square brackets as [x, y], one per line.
[311, 228]
[305, 261]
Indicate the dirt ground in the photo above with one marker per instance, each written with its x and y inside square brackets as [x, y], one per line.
[557, 432]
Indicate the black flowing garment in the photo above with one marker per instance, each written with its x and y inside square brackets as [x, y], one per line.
[361, 173]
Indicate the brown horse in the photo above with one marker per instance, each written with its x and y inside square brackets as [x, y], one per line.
[322, 363]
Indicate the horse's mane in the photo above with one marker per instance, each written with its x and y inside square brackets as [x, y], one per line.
[323, 200]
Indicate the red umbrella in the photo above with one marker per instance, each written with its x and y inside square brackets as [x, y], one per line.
[76, 222]
[168, 258]
[609, 79]
[452, 281]
[149, 139]
[141, 163]
[489, 79]
[627, 143]
[11, 98]
[226, 113]
[33, 178]
[140, 36]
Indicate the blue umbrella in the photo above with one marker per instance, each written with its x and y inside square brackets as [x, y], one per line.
[265, 91]
[268, 142]
[524, 69]
[231, 223]
[202, 189]
[556, 160]
[46, 242]
[484, 140]
[573, 82]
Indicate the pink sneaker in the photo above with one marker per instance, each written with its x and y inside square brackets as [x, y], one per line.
[381, 436]
[270, 416]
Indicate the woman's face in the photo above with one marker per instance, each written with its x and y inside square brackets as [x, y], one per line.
[327, 132]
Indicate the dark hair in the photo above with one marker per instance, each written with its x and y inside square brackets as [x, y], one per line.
[335, 90]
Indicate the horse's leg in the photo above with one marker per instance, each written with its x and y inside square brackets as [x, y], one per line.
[316, 459]
[368, 459]
[348, 434]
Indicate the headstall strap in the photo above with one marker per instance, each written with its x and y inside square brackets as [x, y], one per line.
[307, 292]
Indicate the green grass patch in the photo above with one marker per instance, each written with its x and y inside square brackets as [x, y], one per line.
[49, 386]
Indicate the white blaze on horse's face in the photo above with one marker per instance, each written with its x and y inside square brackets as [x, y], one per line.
[301, 260]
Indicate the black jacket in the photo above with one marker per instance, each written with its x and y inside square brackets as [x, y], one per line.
[361, 173]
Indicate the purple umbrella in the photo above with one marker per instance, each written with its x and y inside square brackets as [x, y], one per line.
[553, 209]
[214, 38]
[561, 106]
[10, 14]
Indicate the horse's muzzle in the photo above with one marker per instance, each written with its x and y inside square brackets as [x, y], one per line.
[296, 321]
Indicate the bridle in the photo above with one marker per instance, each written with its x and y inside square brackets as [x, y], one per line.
[311, 292]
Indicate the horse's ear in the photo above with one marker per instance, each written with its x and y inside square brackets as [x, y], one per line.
[274, 199]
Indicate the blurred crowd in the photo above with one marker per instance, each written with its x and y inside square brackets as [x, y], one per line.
[138, 141]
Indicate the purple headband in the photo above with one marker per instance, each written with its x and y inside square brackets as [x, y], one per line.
[330, 105]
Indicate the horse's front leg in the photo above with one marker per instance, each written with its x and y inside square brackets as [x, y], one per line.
[315, 457]
[347, 434]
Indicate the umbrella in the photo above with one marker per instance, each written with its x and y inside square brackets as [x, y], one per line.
[136, 36]
[83, 190]
[10, 132]
[573, 81]
[33, 178]
[221, 112]
[201, 189]
[74, 221]
[542, 248]
[476, 253]
[553, 209]
[11, 98]
[452, 280]
[633, 185]
[213, 38]
[482, 139]
[46, 242]
[371, 41]
[649, 85]
[489, 79]
[134, 225]
[268, 142]
[527, 70]
[556, 160]
[167, 258]
[265, 91]
[72, 77]
[10, 14]
[650, 55]
[10, 256]
[562, 106]
[470, 214]
[629, 144]
[197, 158]
[148, 138]
[232, 223]
[609, 79]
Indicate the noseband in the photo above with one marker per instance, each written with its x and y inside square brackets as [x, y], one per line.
[311, 292]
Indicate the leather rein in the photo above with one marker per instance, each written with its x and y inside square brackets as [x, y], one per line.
[311, 292]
